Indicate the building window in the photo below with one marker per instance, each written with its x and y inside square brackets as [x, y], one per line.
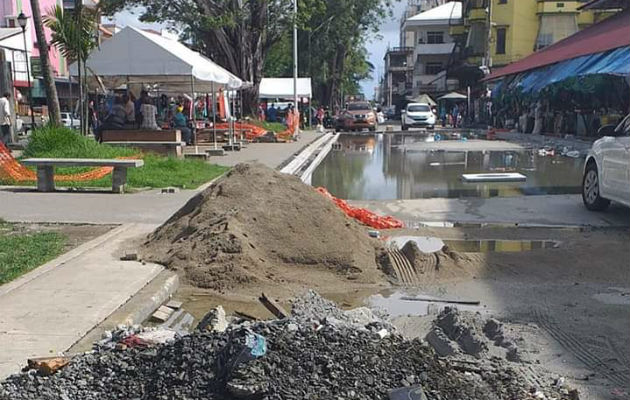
[502, 1]
[435, 37]
[433, 68]
[501, 33]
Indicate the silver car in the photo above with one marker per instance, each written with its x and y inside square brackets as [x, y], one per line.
[607, 168]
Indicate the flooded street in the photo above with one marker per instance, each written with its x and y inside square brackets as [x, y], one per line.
[389, 167]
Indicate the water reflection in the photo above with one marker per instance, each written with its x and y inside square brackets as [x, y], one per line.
[378, 168]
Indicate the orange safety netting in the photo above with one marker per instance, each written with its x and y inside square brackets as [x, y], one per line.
[11, 169]
[363, 215]
[252, 131]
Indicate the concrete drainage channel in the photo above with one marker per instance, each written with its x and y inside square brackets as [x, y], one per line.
[308, 159]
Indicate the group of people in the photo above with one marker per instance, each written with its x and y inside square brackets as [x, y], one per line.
[273, 114]
[128, 113]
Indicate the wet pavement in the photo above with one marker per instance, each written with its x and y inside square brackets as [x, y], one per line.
[390, 167]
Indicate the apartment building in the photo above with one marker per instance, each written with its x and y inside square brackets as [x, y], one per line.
[433, 47]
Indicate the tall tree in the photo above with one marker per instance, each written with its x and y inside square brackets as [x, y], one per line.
[49, 83]
[73, 36]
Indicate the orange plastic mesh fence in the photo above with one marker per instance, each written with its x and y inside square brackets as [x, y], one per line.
[11, 169]
[363, 215]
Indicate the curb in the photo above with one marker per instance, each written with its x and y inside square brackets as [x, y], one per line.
[135, 311]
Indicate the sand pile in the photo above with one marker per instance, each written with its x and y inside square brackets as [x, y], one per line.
[444, 264]
[256, 224]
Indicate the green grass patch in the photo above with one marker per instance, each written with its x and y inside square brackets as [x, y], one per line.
[270, 126]
[23, 252]
[157, 172]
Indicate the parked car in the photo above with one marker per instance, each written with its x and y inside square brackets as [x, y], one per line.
[607, 168]
[68, 120]
[417, 115]
[357, 116]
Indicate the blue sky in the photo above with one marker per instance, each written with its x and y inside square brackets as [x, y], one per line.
[376, 47]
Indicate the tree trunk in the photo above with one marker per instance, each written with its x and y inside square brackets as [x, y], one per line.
[51, 91]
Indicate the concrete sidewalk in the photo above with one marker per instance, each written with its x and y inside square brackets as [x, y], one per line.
[553, 210]
[49, 309]
[152, 207]
[269, 154]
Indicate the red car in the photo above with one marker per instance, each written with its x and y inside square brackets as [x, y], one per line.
[357, 116]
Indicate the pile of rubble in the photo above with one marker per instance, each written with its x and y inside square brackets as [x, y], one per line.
[319, 352]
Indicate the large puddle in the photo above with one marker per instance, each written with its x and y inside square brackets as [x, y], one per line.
[412, 302]
[387, 167]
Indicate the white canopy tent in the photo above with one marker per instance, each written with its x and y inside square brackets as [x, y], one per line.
[133, 56]
[136, 56]
[282, 88]
[453, 96]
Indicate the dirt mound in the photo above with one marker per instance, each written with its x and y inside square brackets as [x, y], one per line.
[441, 265]
[256, 224]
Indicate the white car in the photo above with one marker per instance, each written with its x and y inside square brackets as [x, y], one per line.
[69, 121]
[607, 168]
[417, 115]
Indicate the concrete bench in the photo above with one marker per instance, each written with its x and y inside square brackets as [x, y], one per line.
[46, 170]
[173, 149]
[139, 135]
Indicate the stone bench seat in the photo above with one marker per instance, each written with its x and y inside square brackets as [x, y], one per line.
[46, 170]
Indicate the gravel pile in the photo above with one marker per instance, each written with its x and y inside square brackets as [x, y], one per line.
[313, 360]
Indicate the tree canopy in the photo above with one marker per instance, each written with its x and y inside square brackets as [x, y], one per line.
[249, 37]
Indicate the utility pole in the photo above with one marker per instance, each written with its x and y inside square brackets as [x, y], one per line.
[488, 56]
[295, 64]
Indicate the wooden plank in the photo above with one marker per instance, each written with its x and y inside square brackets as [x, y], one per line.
[273, 306]
[48, 365]
[82, 162]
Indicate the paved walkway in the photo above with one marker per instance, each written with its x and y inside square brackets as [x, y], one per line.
[556, 210]
[47, 310]
[20, 205]
[270, 154]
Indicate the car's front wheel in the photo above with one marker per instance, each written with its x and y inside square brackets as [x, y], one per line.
[590, 189]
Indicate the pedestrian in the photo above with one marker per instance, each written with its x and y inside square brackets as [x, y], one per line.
[130, 110]
[272, 113]
[92, 117]
[320, 116]
[261, 112]
[181, 122]
[455, 114]
[115, 120]
[149, 111]
[5, 118]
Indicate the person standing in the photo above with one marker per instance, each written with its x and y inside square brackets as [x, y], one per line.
[320, 116]
[272, 113]
[5, 118]
[130, 110]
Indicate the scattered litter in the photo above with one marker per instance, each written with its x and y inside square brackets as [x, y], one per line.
[47, 365]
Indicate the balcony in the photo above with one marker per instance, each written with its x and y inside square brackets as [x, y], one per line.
[554, 7]
[434, 48]
[477, 14]
[399, 50]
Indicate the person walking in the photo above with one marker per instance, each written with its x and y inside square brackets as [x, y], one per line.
[320, 116]
[5, 118]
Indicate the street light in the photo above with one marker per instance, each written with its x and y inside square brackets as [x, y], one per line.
[22, 21]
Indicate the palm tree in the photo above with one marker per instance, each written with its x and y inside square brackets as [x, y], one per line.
[73, 36]
[51, 90]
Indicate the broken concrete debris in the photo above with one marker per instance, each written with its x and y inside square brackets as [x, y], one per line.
[318, 352]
